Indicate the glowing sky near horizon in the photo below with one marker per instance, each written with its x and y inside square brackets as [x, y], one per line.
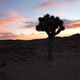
[18, 17]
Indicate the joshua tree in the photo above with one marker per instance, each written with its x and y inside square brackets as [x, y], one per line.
[51, 25]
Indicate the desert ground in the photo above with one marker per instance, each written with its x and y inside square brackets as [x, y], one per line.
[27, 59]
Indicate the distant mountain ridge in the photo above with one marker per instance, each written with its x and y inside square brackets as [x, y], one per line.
[72, 37]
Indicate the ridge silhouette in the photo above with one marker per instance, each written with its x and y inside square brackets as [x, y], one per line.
[52, 26]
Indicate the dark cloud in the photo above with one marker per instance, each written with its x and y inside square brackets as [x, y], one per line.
[4, 36]
[30, 24]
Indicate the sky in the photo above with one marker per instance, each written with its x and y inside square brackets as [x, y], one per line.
[19, 17]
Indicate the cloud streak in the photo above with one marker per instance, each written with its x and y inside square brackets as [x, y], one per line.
[50, 4]
[55, 3]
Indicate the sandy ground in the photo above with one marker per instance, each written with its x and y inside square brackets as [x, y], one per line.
[61, 68]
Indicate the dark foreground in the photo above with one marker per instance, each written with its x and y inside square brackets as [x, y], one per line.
[27, 60]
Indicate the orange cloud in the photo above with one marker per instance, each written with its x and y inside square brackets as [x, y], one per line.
[32, 36]
[50, 4]
[25, 30]
[74, 24]
[2, 29]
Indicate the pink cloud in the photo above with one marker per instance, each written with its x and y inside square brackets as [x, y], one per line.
[50, 4]
[55, 3]
[13, 17]
[62, 14]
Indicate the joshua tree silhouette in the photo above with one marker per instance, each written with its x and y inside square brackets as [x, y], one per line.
[51, 25]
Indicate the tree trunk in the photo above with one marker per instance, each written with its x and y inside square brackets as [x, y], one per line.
[50, 48]
[50, 44]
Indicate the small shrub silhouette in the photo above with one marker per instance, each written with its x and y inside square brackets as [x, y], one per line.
[52, 26]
